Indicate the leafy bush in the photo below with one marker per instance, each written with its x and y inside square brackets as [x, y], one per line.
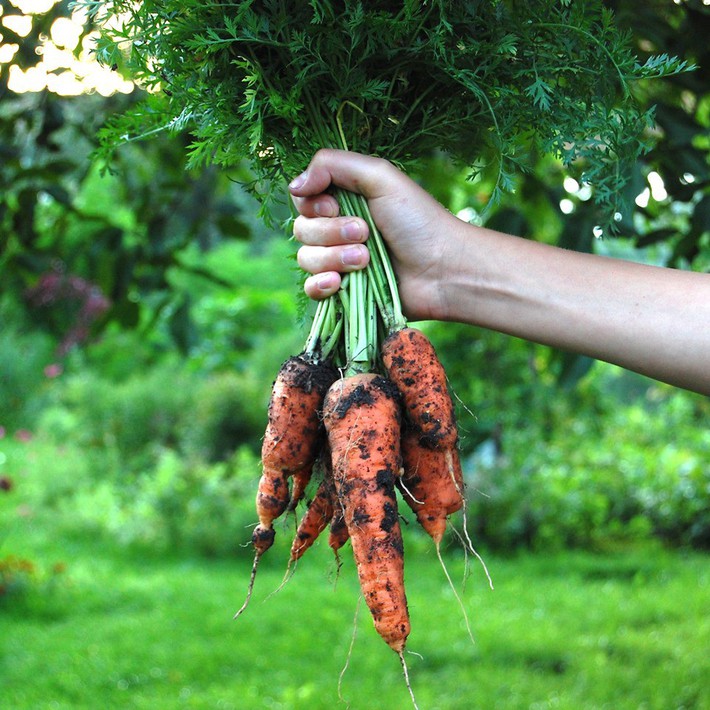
[180, 504]
[205, 416]
[24, 582]
[229, 411]
[24, 381]
[131, 418]
[580, 481]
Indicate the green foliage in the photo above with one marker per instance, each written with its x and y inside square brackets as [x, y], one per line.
[169, 406]
[574, 630]
[488, 83]
[131, 418]
[24, 354]
[27, 587]
[177, 503]
[246, 323]
[572, 479]
[123, 234]
[228, 411]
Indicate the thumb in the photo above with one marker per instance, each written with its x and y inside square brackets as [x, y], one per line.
[364, 174]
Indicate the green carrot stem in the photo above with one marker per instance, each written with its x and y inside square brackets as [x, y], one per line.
[380, 256]
[376, 274]
[334, 329]
[325, 329]
[368, 292]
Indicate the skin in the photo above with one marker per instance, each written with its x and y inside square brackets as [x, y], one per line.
[652, 320]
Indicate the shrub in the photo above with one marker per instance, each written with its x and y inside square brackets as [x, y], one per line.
[229, 411]
[25, 388]
[133, 418]
[177, 505]
[24, 583]
[581, 484]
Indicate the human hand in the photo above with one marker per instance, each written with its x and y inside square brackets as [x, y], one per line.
[418, 231]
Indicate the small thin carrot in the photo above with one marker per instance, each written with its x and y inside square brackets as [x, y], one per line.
[291, 443]
[300, 481]
[339, 534]
[316, 518]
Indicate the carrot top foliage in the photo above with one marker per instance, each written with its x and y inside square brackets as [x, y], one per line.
[488, 83]
[271, 81]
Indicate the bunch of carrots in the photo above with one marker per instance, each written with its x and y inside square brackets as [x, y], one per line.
[364, 411]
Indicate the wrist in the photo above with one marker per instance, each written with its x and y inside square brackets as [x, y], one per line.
[459, 275]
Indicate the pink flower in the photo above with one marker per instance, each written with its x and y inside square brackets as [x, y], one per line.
[23, 435]
[53, 370]
[2, 432]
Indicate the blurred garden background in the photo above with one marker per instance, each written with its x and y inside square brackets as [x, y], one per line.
[144, 312]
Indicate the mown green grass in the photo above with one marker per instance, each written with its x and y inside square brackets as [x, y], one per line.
[123, 629]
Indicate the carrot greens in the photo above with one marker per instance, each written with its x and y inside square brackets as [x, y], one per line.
[487, 83]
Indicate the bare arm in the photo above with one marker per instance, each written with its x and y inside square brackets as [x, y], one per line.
[651, 320]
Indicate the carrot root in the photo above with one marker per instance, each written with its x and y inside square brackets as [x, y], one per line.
[250, 587]
[455, 593]
[405, 671]
[350, 653]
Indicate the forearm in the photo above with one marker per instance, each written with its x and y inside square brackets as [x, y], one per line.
[652, 320]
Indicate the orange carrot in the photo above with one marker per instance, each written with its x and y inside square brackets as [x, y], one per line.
[413, 366]
[431, 484]
[362, 419]
[432, 481]
[316, 518]
[339, 534]
[292, 438]
[301, 479]
[291, 443]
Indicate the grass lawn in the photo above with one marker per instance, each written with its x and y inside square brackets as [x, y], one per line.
[120, 629]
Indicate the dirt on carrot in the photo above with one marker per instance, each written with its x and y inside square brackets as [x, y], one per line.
[431, 483]
[293, 437]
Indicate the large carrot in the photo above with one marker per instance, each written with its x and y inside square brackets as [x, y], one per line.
[291, 443]
[362, 418]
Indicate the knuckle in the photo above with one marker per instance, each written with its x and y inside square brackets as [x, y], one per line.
[302, 258]
[298, 227]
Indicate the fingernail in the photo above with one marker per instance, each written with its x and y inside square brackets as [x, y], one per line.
[325, 282]
[299, 181]
[351, 231]
[324, 209]
[352, 256]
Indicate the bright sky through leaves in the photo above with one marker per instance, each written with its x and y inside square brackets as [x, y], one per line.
[66, 65]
